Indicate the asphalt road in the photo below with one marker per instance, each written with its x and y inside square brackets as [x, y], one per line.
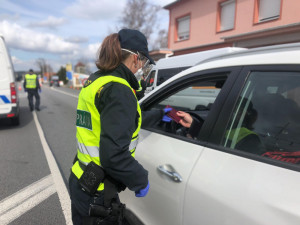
[29, 183]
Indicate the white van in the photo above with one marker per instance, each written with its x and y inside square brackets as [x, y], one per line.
[168, 67]
[9, 101]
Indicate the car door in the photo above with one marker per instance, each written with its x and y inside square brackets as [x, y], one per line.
[167, 153]
[254, 181]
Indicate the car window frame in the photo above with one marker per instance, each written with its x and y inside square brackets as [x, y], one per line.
[217, 133]
[172, 87]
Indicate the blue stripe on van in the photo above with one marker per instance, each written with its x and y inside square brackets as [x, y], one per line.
[4, 99]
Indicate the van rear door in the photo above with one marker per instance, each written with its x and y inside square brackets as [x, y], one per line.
[6, 78]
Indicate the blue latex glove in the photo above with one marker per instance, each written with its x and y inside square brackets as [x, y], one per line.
[166, 110]
[40, 90]
[142, 192]
[165, 117]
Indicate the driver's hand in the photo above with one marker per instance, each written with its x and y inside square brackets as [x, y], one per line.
[186, 120]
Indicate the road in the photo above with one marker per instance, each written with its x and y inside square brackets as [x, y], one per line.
[36, 158]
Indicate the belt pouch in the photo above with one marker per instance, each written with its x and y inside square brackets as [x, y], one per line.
[91, 178]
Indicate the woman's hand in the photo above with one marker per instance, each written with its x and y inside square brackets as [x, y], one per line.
[186, 120]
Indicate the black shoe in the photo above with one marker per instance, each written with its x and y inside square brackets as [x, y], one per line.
[37, 109]
[31, 109]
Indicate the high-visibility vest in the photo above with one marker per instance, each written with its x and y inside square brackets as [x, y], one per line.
[88, 125]
[236, 135]
[140, 87]
[30, 81]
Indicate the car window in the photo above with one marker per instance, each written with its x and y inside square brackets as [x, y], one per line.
[266, 120]
[150, 79]
[165, 74]
[195, 98]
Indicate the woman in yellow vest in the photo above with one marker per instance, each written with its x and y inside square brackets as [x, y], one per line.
[108, 121]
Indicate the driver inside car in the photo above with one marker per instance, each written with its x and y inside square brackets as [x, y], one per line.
[247, 139]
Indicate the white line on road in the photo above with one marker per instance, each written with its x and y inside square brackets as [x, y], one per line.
[22, 195]
[60, 186]
[26, 204]
[75, 96]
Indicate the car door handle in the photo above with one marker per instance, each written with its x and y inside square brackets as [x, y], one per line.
[170, 172]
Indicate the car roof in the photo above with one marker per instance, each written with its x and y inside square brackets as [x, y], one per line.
[192, 59]
[277, 54]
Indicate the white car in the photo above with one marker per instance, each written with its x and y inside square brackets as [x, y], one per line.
[165, 68]
[243, 167]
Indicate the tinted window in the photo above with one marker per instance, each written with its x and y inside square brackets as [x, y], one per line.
[165, 74]
[266, 118]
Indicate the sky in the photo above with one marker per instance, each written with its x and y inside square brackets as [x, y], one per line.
[61, 31]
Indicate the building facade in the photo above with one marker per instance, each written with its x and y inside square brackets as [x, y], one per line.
[198, 25]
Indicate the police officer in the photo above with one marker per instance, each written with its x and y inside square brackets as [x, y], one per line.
[32, 86]
[108, 122]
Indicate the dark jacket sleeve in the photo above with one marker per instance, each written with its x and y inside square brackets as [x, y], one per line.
[38, 83]
[118, 110]
[252, 144]
[195, 128]
[151, 118]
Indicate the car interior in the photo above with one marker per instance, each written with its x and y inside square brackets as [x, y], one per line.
[196, 99]
[276, 100]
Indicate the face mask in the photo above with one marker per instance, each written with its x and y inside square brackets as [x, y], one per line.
[139, 74]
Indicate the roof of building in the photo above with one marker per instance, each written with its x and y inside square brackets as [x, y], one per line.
[171, 4]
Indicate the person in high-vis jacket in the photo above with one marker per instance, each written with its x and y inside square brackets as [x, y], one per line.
[32, 87]
[242, 138]
[108, 121]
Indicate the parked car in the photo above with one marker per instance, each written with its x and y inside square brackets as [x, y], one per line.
[54, 81]
[9, 100]
[243, 167]
[167, 67]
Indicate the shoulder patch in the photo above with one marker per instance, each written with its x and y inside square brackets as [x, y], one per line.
[99, 90]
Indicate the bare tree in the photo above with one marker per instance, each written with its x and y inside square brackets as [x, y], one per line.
[161, 40]
[140, 15]
[86, 62]
[43, 66]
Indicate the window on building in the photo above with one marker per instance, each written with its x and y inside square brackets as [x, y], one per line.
[183, 28]
[227, 15]
[268, 10]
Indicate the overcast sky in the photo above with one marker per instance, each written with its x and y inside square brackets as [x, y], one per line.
[60, 31]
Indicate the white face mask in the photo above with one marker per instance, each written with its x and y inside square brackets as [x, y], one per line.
[139, 74]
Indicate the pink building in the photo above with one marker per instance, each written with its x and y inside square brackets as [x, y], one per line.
[197, 25]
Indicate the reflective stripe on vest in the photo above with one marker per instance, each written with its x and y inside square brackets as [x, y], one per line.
[30, 81]
[88, 125]
[140, 87]
[236, 135]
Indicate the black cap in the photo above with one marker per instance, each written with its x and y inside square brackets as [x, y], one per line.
[31, 70]
[134, 40]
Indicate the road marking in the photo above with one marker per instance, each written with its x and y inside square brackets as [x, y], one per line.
[75, 96]
[22, 201]
[60, 186]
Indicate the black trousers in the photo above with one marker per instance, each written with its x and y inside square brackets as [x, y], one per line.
[80, 201]
[34, 93]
